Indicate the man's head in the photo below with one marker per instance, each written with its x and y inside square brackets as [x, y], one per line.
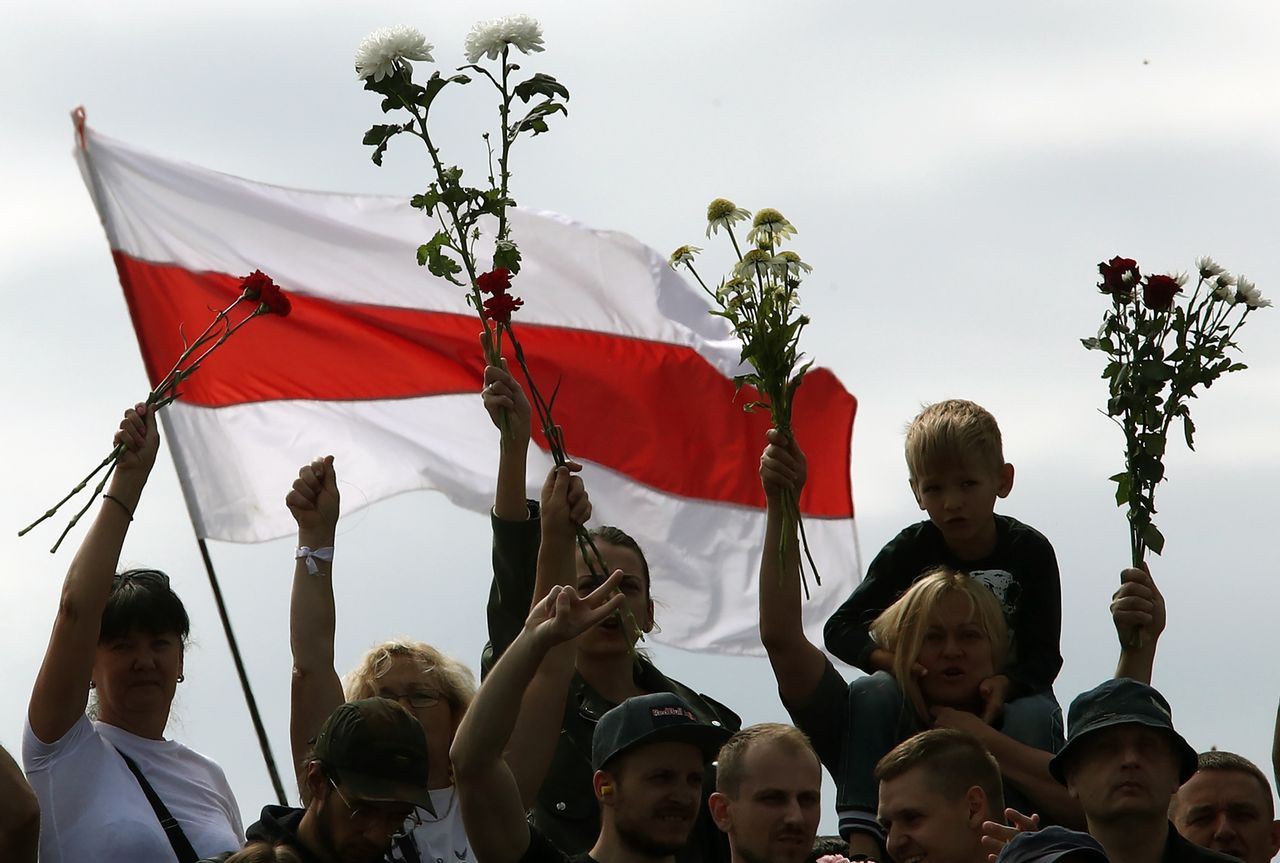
[768, 795]
[650, 755]
[366, 780]
[936, 789]
[1123, 760]
[1227, 806]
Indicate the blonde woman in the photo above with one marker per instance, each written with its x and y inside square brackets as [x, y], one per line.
[432, 686]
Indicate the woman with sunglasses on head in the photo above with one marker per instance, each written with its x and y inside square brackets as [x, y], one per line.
[435, 688]
[607, 668]
[106, 784]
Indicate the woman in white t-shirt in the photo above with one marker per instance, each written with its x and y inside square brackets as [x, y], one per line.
[431, 685]
[121, 635]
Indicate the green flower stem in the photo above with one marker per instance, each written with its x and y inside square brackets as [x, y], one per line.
[504, 173]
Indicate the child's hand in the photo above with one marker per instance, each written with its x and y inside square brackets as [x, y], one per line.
[994, 692]
[1137, 609]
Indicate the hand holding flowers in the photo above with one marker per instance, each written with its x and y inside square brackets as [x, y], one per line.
[760, 299]
[261, 296]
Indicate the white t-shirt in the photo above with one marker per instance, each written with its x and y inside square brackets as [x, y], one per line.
[92, 807]
[441, 838]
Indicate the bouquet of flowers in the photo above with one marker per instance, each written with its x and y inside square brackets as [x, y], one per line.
[260, 296]
[384, 61]
[760, 299]
[1160, 353]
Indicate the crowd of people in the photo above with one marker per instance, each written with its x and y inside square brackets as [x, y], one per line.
[950, 749]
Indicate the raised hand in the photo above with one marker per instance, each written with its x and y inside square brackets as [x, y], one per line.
[140, 440]
[503, 393]
[783, 466]
[314, 500]
[1137, 609]
[562, 615]
[565, 504]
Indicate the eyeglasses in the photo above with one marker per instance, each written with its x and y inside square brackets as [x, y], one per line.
[368, 816]
[418, 698]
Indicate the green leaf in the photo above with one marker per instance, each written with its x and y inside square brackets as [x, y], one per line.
[435, 84]
[506, 254]
[432, 255]
[1122, 488]
[1155, 370]
[1188, 430]
[1152, 444]
[1153, 538]
[536, 118]
[541, 85]
[378, 136]
[426, 201]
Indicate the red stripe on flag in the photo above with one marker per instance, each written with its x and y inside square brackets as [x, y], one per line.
[656, 412]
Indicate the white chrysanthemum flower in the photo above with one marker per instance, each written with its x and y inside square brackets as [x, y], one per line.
[683, 255]
[723, 213]
[787, 265]
[753, 262]
[1248, 293]
[488, 38]
[1209, 268]
[1224, 288]
[378, 52]
[769, 227]
[733, 289]
[1180, 278]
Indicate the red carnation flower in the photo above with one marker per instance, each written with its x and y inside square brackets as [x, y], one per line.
[251, 285]
[276, 300]
[1159, 291]
[500, 306]
[496, 282]
[1119, 276]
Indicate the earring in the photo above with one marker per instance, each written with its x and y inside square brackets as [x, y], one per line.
[181, 677]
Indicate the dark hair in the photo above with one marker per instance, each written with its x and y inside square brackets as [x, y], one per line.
[142, 600]
[617, 536]
[825, 845]
[955, 762]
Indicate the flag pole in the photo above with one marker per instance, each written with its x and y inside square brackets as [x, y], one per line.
[263, 743]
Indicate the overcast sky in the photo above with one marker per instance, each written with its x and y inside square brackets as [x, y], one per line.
[955, 170]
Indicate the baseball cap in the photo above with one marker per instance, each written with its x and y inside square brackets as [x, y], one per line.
[661, 717]
[1049, 845]
[1122, 701]
[378, 751]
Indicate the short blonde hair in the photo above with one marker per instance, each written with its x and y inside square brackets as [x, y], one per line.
[953, 432]
[457, 683]
[955, 762]
[901, 628]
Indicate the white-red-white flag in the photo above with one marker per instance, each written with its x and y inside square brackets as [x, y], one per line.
[379, 364]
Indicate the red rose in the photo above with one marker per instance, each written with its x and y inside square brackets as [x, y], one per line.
[1119, 276]
[251, 285]
[1158, 292]
[500, 306]
[497, 282]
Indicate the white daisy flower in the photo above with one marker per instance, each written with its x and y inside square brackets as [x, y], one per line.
[769, 226]
[723, 213]
[488, 38]
[1248, 293]
[1209, 268]
[683, 255]
[380, 51]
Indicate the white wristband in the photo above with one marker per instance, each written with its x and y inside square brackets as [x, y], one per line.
[311, 555]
